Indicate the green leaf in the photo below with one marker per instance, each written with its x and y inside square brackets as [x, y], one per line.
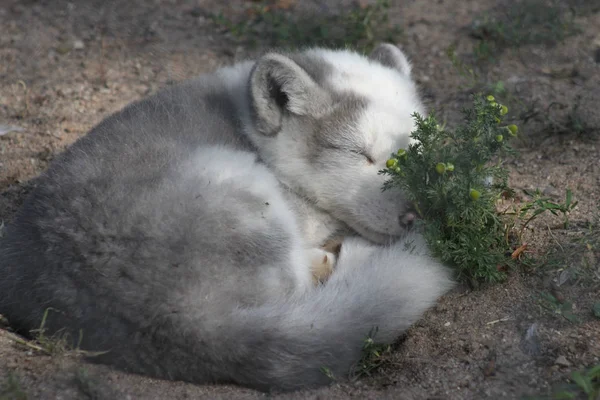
[594, 372]
[566, 306]
[582, 381]
[564, 395]
[596, 310]
[570, 316]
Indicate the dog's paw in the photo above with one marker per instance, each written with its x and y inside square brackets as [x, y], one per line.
[322, 264]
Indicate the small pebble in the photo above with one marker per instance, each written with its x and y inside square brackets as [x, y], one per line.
[562, 361]
[78, 44]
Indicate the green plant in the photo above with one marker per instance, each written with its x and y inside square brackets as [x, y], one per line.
[56, 344]
[583, 384]
[588, 382]
[540, 204]
[50, 345]
[570, 260]
[327, 372]
[360, 27]
[562, 308]
[373, 356]
[455, 178]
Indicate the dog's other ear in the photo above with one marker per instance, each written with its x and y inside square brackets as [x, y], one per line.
[278, 86]
[391, 56]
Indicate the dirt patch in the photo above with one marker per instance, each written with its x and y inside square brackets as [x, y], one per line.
[66, 65]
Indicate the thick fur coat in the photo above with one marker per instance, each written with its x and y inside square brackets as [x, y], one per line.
[178, 235]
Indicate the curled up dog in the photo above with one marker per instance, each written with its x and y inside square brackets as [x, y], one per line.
[184, 234]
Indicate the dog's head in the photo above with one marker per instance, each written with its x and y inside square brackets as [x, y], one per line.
[327, 121]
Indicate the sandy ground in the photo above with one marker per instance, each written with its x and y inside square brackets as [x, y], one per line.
[66, 65]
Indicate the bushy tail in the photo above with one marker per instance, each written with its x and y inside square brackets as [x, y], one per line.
[289, 345]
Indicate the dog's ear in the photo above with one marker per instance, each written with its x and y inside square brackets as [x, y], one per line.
[391, 56]
[278, 86]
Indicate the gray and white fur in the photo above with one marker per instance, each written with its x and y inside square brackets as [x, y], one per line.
[177, 235]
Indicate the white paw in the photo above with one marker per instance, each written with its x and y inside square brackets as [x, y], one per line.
[322, 264]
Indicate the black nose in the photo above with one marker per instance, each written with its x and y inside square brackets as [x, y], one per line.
[407, 220]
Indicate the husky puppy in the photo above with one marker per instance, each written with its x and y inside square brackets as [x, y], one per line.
[180, 236]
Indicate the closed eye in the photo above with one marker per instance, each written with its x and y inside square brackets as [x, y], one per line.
[367, 156]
